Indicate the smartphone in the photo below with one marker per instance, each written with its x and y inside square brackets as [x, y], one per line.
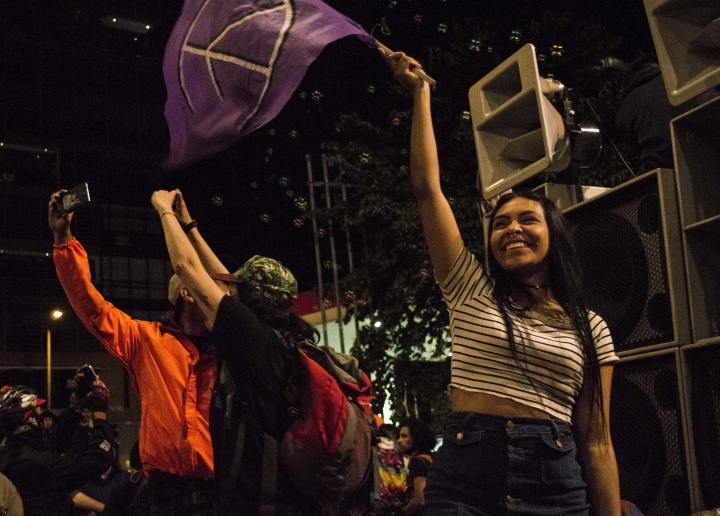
[74, 199]
[89, 375]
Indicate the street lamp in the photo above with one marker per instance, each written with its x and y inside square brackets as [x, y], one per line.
[54, 315]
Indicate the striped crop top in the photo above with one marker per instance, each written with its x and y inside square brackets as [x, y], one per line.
[549, 351]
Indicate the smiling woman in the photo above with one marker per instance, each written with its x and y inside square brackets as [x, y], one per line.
[520, 241]
[531, 259]
[531, 367]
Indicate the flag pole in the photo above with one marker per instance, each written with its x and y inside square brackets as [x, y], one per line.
[417, 71]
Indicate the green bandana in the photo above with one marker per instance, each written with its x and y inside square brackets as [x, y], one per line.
[274, 281]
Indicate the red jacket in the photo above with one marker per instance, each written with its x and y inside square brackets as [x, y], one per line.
[173, 380]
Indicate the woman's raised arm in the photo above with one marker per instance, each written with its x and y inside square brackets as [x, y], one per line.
[441, 230]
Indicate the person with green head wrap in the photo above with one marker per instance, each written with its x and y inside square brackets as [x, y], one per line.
[267, 278]
[254, 332]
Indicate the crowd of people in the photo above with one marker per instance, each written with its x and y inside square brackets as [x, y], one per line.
[48, 481]
[221, 379]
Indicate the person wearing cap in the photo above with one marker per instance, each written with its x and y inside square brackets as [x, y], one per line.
[254, 332]
[172, 366]
[44, 479]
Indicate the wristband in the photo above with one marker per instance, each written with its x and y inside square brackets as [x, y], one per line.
[187, 227]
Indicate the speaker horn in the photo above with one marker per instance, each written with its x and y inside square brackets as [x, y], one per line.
[687, 42]
[518, 132]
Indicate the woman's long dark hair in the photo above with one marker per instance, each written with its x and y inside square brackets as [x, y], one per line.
[565, 281]
[423, 439]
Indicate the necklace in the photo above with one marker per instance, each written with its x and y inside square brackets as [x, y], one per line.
[533, 285]
[556, 316]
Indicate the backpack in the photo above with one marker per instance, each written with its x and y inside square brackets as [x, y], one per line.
[328, 452]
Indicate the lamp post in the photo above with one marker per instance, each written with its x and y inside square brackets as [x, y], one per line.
[54, 315]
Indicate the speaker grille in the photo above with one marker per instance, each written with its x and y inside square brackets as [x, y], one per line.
[646, 426]
[621, 252]
[704, 367]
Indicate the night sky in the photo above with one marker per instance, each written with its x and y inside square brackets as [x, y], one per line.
[252, 198]
[261, 178]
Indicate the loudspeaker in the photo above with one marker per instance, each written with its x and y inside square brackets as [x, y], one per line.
[701, 366]
[564, 195]
[686, 34]
[518, 132]
[695, 137]
[627, 242]
[646, 422]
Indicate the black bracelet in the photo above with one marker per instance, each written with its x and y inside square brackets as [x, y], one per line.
[187, 227]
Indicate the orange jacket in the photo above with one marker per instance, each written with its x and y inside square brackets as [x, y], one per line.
[173, 380]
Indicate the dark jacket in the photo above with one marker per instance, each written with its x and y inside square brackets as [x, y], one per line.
[44, 479]
[254, 371]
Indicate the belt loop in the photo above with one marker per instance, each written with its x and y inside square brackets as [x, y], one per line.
[555, 429]
[467, 418]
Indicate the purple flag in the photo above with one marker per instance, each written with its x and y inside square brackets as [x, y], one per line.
[231, 65]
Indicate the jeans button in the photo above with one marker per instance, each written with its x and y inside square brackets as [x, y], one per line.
[460, 436]
[511, 448]
[510, 499]
[510, 424]
[559, 444]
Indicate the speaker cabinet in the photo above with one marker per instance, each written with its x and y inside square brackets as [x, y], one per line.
[686, 34]
[701, 366]
[632, 266]
[695, 137]
[647, 426]
[518, 132]
[564, 195]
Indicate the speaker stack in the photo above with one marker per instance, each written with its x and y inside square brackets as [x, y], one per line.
[696, 135]
[628, 244]
[650, 251]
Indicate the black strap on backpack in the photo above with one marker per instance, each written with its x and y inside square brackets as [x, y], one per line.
[239, 417]
[225, 399]
[237, 454]
[268, 496]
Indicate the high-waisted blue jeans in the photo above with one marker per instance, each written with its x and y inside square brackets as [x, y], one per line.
[491, 465]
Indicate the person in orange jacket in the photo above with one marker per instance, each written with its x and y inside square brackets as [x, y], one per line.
[173, 368]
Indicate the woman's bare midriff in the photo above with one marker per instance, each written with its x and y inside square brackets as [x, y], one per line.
[468, 401]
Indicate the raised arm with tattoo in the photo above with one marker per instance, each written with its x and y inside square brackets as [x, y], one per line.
[209, 260]
[186, 261]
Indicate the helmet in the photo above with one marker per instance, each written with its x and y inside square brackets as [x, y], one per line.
[274, 281]
[15, 403]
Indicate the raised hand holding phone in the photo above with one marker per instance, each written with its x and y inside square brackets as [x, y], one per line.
[71, 200]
